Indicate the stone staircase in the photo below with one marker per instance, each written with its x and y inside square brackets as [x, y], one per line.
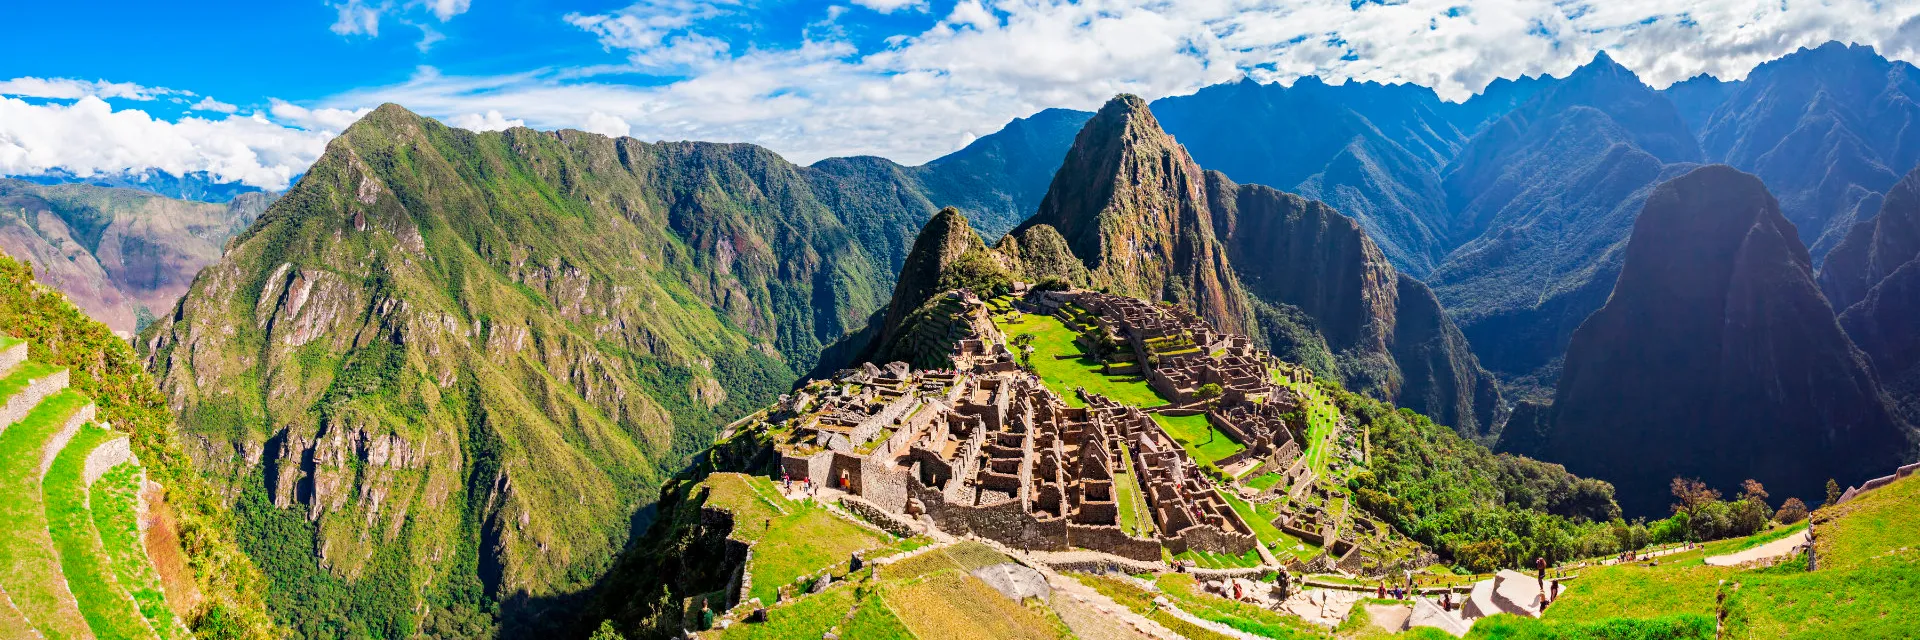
[73, 563]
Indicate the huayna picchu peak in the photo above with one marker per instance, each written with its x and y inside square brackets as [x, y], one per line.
[908, 320]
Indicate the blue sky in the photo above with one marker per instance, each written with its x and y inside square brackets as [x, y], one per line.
[252, 91]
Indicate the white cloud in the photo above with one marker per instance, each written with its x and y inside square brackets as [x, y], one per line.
[356, 17]
[70, 89]
[210, 104]
[89, 137]
[491, 121]
[606, 125]
[656, 35]
[446, 9]
[324, 119]
[890, 6]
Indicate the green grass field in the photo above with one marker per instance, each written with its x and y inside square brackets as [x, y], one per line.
[114, 500]
[109, 611]
[801, 537]
[1265, 481]
[29, 564]
[1207, 560]
[1140, 601]
[808, 617]
[1132, 503]
[1867, 585]
[1064, 366]
[1199, 437]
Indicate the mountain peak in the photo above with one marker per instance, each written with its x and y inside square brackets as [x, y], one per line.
[1604, 66]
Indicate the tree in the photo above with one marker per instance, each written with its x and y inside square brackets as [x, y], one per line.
[1833, 493]
[1693, 496]
[1791, 512]
[606, 632]
[1208, 391]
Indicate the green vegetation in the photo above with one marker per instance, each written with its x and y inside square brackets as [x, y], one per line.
[1207, 560]
[793, 538]
[83, 560]
[1132, 502]
[114, 499]
[1140, 601]
[1206, 443]
[1264, 481]
[31, 564]
[1064, 366]
[105, 368]
[1183, 591]
[1671, 627]
[808, 617]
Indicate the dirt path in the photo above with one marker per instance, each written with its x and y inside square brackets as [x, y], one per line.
[1391, 618]
[1777, 548]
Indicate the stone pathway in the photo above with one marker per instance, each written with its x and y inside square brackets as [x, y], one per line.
[1391, 618]
[1775, 549]
[1324, 607]
[1079, 597]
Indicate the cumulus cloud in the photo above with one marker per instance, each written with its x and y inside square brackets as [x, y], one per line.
[209, 104]
[70, 89]
[490, 121]
[324, 119]
[606, 125]
[656, 34]
[356, 17]
[89, 137]
[890, 6]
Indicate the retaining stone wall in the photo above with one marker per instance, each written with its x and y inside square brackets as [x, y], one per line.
[107, 455]
[1110, 539]
[886, 520]
[18, 406]
[65, 435]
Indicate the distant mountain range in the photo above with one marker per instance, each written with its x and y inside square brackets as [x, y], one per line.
[199, 185]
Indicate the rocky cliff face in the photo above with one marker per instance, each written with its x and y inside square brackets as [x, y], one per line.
[1874, 277]
[1717, 358]
[943, 243]
[1385, 330]
[1130, 203]
[448, 368]
[121, 255]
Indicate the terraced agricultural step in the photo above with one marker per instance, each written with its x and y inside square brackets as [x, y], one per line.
[25, 386]
[114, 499]
[109, 610]
[13, 351]
[29, 563]
[13, 625]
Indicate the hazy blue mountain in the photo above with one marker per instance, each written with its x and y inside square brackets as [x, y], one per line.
[198, 185]
[1370, 150]
[1828, 129]
[1544, 200]
[1873, 278]
[1698, 97]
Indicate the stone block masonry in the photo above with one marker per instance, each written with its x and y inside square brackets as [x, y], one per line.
[37, 389]
[105, 456]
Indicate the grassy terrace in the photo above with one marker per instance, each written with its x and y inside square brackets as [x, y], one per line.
[1064, 366]
[1199, 437]
[108, 609]
[1131, 501]
[952, 604]
[1262, 522]
[802, 537]
[1208, 560]
[114, 500]
[29, 565]
[1322, 418]
[16, 380]
[1183, 591]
